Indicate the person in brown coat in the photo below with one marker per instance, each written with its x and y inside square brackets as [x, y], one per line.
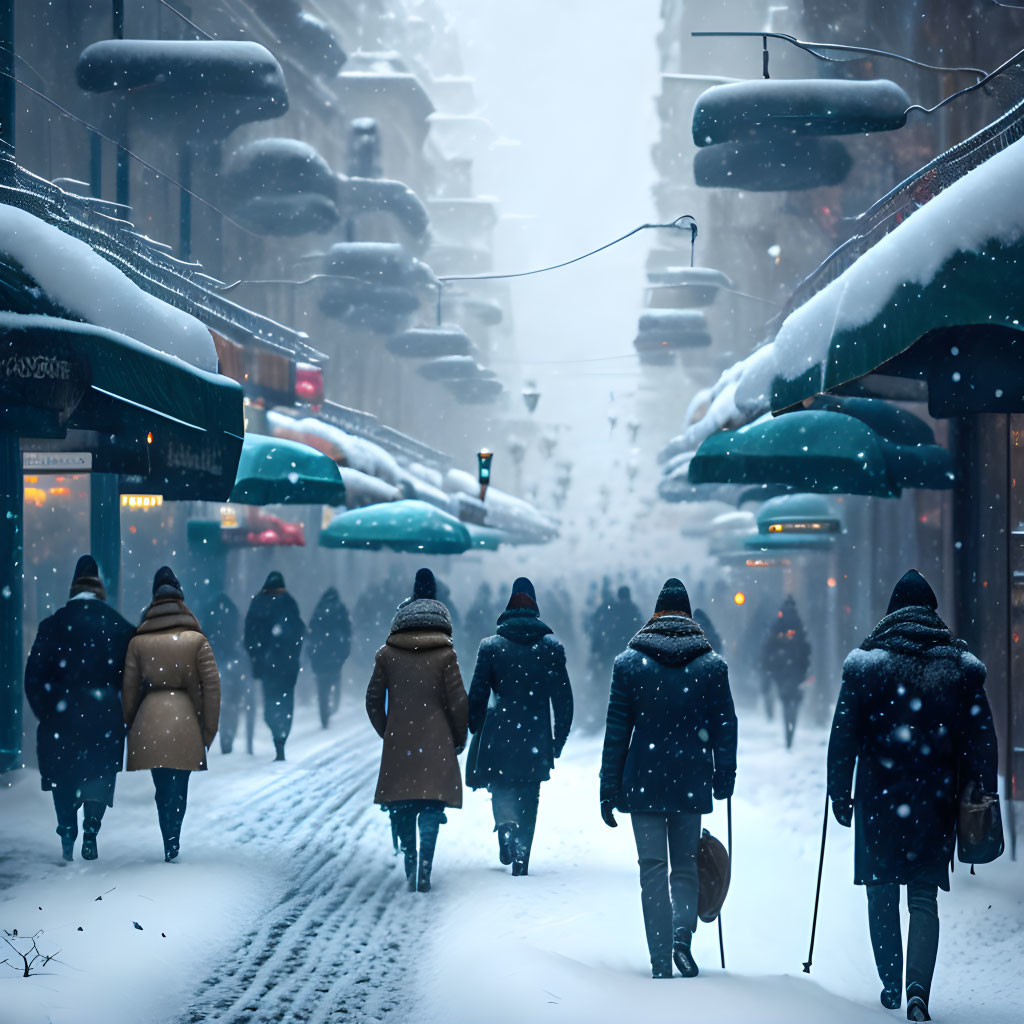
[417, 704]
[171, 695]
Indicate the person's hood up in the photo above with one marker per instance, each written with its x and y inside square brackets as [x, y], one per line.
[420, 616]
[522, 626]
[274, 583]
[672, 640]
[86, 579]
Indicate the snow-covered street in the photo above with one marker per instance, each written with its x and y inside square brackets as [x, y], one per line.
[287, 905]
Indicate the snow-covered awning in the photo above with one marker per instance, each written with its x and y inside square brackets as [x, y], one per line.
[517, 518]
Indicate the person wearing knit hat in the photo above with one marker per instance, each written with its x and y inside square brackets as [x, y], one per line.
[73, 683]
[171, 701]
[520, 687]
[669, 748]
[914, 724]
[417, 704]
[273, 636]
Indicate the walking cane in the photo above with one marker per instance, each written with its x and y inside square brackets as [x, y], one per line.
[817, 892]
[721, 941]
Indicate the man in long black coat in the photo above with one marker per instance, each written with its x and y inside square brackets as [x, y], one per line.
[273, 637]
[669, 746]
[329, 645]
[786, 661]
[522, 671]
[914, 719]
[73, 684]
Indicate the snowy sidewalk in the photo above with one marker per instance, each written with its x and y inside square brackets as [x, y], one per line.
[567, 943]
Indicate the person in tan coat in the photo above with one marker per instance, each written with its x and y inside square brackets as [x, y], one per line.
[417, 704]
[171, 696]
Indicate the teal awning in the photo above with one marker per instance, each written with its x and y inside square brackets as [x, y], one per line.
[823, 452]
[273, 471]
[798, 515]
[485, 538]
[789, 542]
[412, 526]
[814, 451]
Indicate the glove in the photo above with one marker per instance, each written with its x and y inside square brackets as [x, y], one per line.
[842, 809]
[607, 813]
[723, 784]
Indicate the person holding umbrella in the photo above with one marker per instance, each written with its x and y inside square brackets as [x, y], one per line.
[73, 684]
[273, 637]
[171, 702]
[514, 747]
[914, 721]
[669, 746]
[417, 704]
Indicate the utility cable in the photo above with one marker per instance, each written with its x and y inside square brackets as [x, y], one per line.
[184, 18]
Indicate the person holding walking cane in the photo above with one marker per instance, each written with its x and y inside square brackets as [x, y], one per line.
[914, 719]
[669, 746]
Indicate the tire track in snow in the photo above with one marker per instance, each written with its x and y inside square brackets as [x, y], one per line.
[331, 948]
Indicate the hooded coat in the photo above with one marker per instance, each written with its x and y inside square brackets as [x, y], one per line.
[171, 689]
[330, 636]
[417, 704]
[73, 684]
[914, 719]
[671, 722]
[273, 637]
[523, 666]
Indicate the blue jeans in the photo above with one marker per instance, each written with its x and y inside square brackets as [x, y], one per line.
[669, 900]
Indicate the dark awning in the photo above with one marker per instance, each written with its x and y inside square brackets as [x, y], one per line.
[158, 418]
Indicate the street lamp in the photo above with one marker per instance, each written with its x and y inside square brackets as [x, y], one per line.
[483, 462]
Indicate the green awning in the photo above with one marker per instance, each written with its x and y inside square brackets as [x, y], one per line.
[412, 526]
[788, 542]
[813, 451]
[274, 471]
[175, 429]
[823, 452]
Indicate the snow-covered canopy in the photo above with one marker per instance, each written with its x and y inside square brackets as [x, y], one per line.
[81, 281]
[980, 209]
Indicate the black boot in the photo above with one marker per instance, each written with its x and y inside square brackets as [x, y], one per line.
[90, 826]
[170, 850]
[683, 957]
[520, 854]
[423, 883]
[891, 998]
[917, 1009]
[505, 833]
[410, 869]
[661, 969]
[67, 841]
[279, 749]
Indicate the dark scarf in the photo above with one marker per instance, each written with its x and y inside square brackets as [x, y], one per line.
[913, 630]
[522, 625]
[674, 640]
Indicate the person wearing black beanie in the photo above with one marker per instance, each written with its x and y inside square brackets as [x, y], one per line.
[273, 635]
[914, 723]
[73, 682]
[520, 686]
[417, 704]
[669, 748]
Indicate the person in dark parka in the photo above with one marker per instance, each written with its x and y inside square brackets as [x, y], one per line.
[273, 637]
[786, 661]
[417, 704]
[221, 622]
[669, 746]
[914, 721]
[329, 645]
[73, 683]
[522, 668]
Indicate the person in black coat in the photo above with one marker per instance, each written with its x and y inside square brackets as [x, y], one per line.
[73, 683]
[786, 661]
[669, 746]
[914, 720]
[521, 672]
[222, 625]
[330, 643]
[273, 637]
